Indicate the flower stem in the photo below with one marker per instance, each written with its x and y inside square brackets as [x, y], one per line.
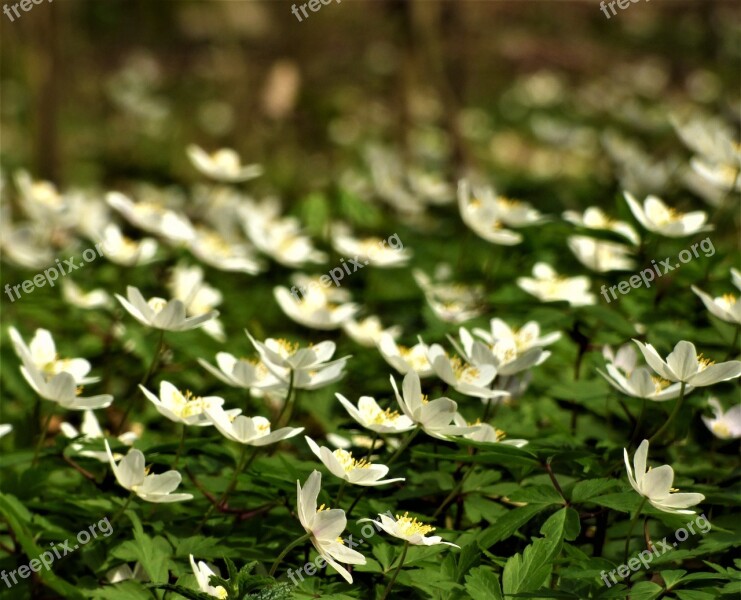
[287, 407]
[181, 446]
[637, 429]
[455, 491]
[732, 349]
[147, 375]
[42, 437]
[403, 446]
[340, 493]
[672, 416]
[287, 549]
[630, 529]
[396, 572]
[242, 463]
[122, 510]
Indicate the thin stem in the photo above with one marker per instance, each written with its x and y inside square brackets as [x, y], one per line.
[455, 491]
[120, 513]
[285, 410]
[732, 349]
[404, 445]
[287, 549]
[554, 481]
[340, 493]
[180, 446]
[374, 439]
[240, 465]
[630, 529]
[42, 437]
[147, 375]
[357, 499]
[637, 429]
[387, 591]
[672, 416]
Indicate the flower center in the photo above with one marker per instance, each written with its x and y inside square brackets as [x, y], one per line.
[410, 526]
[157, 304]
[348, 463]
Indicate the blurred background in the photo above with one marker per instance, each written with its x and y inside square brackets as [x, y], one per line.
[104, 92]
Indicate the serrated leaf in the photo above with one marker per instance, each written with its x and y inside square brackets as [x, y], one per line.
[483, 584]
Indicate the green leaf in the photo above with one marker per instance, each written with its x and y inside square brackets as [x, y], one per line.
[505, 526]
[584, 490]
[562, 524]
[483, 584]
[537, 494]
[528, 571]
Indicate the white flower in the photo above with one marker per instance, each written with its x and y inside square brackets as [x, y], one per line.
[481, 214]
[161, 314]
[217, 252]
[252, 431]
[465, 378]
[243, 373]
[487, 434]
[656, 484]
[433, 417]
[451, 302]
[639, 383]
[132, 475]
[310, 367]
[342, 464]
[724, 425]
[510, 352]
[222, 165]
[203, 575]
[278, 237]
[63, 389]
[325, 526]
[368, 251]
[5, 429]
[725, 307]
[41, 354]
[408, 529]
[595, 218]
[124, 572]
[368, 331]
[187, 285]
[549, 286]
[126, 252]
[184, 408]
[405, 359]
[723, 176]
[373, 417]
[153, 218]
[90, 430]
[310, 307]
[600, 256]
[74, 295]
[658, 218]
[683, 364]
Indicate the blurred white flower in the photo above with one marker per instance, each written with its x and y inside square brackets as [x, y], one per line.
[311, 307]
[75, 296]
[657, 217]
[725, 307]
[214, 250]
[481, 213]
[161, 314]
[90, 430]
[126, 252]
[243, 373]
[656, 484]
[549, 286]
[187, 285]
[369, 251]
[153, 218]
[222, 165]
[368, 331]
[342, 464]
[599, 255]
[451, 302]
[595, 218]
[724, 425]
[132, 475]
[486, 433]
[722, 176]
[467, 379]
[5, 429]
[510, 352]
[41, 354]
[405, 359]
